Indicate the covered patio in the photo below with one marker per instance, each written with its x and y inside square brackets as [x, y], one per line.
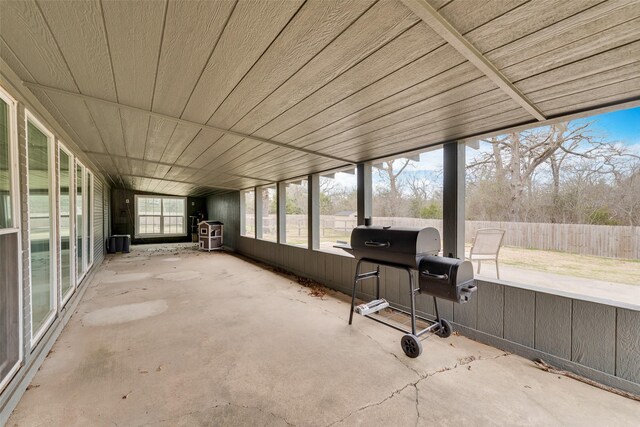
[148, 347]
[286, 125]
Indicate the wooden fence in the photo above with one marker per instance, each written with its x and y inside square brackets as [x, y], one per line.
[598, 240]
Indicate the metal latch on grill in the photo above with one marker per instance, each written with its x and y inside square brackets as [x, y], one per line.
[372, 307]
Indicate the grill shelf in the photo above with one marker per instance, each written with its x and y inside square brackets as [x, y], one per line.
[413, 249]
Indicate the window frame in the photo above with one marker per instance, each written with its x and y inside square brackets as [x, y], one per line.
[139, 235]
[72, 223]
[15, 228]
[243, 213]
[260, 210]
[315, 217]
[282, 225]
[36, 336]
[85, 267]
[90, 232]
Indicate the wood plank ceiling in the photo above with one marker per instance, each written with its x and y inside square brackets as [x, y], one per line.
[182, 97]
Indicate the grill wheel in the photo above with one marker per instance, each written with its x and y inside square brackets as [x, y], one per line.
[411, 346]
[445, 330]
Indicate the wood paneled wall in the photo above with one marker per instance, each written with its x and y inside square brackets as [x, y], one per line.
[226, 208]
[123, 215]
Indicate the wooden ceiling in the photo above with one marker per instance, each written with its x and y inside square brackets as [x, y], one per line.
[182, 97]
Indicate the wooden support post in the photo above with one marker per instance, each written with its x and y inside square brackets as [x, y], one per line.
[453, 200]
[314, 212]
[364, 192]
[258, 210]
[281, 211]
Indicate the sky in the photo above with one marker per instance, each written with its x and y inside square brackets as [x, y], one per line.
[621, 126]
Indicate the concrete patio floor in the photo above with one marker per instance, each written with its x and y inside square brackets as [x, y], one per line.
[172, 337]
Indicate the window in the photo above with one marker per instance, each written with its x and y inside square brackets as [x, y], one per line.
[89, 219]
[407, 191]
[247, 213]
[149, 215]
[268, 207]
[296, 213]
[6, 204]
[173, 213]
[41, 227]
[79, 226]
[338, 208]
[65, 186]
[10, 261]
[161, 216]
[568, 203]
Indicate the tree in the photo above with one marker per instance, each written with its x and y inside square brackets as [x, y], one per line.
[526, 171]
[391, 194]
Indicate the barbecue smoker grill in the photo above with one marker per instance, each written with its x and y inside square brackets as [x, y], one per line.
[410, 249]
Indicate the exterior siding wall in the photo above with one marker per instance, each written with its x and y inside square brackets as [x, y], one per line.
[226, 208]
[123, 219]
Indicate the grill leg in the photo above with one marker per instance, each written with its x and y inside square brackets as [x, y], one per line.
[378, 281]
[435, 304]
[413, 302]
[353, 293]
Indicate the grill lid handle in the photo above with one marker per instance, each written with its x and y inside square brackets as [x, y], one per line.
[435, 276]
[373, 244]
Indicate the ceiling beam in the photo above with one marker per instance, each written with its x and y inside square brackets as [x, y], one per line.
[444, 29]
[118, 105]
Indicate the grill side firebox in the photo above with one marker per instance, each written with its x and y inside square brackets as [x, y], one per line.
[446, 278]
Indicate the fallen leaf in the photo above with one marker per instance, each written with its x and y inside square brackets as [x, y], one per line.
[143, 371]
[160, 368]
[30, 386]
[126, 395]
[526, 386]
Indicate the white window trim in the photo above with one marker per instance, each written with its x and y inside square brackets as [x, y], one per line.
[72, 223]
[137, 234]
[84, 223]
[15, 206]
[37, 335]
[91, 212]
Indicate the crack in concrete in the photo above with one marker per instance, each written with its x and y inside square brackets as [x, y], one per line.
[386, 351]
[371, 405]
[417, 405]
[266, 412]
[461, 362]
[220, 405]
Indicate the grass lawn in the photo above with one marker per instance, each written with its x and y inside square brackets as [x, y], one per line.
[584, 266]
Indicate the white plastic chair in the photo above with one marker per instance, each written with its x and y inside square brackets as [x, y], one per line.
[486, 246]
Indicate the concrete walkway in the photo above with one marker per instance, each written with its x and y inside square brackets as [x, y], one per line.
[607, 291]
[179, 338]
